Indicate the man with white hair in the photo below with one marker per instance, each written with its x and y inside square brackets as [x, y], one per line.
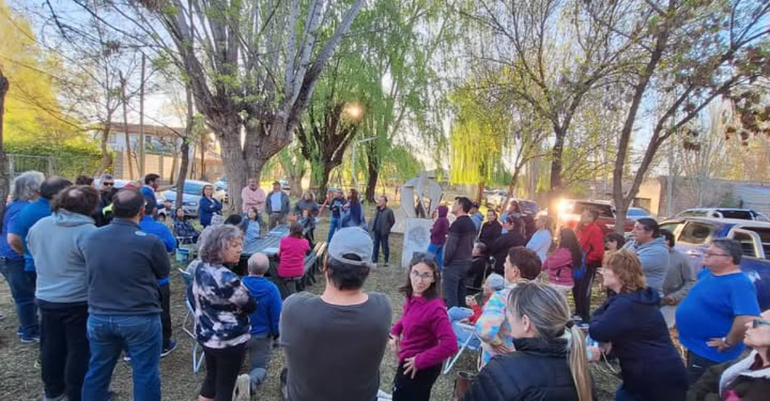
[264, 321]
[26, 189]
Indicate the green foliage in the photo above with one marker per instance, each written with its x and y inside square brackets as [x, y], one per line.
[70, 159]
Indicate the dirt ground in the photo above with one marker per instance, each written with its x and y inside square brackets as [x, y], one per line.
[20, 380]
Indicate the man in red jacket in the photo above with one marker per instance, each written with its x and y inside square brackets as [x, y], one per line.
[592, 241]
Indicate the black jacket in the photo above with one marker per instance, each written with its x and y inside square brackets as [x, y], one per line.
[123, 266]
[382, 221]
[490, 231]
[651, 367]
[538, 370]
[499, 249]
[459, 241]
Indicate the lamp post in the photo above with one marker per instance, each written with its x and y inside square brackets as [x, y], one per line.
[355, 145]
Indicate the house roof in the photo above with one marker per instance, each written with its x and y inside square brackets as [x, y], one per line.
[155, 130]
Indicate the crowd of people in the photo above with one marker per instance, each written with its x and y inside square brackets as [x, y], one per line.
[87, 302]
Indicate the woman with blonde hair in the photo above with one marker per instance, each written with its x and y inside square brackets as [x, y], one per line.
[630, 324]
[550, 360]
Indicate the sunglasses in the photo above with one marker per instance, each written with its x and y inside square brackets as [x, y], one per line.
[759, 322]
[108, 184]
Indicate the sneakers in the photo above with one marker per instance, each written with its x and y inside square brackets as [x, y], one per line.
[168, 348]
[386, 264]
[126, 358]
[242, 391]
[33, 339]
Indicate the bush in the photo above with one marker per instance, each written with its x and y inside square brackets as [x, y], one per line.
[68, 160]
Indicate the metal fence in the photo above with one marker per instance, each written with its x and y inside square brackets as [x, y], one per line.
[18, 164]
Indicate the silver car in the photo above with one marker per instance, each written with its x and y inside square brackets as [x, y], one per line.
[193, 192]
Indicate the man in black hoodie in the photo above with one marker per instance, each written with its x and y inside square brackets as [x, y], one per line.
[458, 253]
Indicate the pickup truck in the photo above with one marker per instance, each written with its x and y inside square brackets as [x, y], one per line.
[693, 235]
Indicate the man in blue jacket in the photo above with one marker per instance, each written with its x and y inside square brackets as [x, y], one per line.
[150, 226]
[264, 321]
[123, 267]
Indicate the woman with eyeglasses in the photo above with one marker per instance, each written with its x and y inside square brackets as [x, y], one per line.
[423, 338]
[208, 206]
[746, 378]
[630, 325]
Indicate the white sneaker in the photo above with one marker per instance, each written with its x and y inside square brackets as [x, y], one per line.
[381, 396]
[242, 390]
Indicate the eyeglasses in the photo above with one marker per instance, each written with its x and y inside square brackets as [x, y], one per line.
[424, 276]
[759, 322]
[710, 254]
[108, 184]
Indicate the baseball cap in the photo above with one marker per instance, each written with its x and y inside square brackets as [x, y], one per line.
[352, 240]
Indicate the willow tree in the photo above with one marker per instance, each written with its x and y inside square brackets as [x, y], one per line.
[477, 137]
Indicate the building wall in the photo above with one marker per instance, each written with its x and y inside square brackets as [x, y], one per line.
[715, 193]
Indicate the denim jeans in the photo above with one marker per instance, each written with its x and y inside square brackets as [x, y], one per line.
[22, 285]
[380, 240]
[260, 352]
[64, 349]
[454, 283]
[455, 315]
[333, 226]
[109, 335]
[438, 253]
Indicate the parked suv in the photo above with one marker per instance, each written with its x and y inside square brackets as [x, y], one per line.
[571, 209]
[723, 213]
[693, 235]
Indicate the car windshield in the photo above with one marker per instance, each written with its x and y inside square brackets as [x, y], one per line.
[192, 188]
[736, 214]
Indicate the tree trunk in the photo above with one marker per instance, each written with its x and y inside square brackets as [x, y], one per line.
[185, 150]
[480, 192]
[106, 155]
[123, 84]
[175, 162]
[203, 158]
[141, 157]
[373, 168]
[4, 179]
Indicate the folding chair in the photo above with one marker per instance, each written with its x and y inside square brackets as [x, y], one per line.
[468, 344]
[197, 360]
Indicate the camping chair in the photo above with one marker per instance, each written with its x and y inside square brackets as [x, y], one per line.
[468, 344]
[197, 361]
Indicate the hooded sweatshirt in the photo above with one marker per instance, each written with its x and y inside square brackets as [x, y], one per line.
[559, 267]
[651, 366]
[57, 243]
[440, 227]
[654, 258]
[264, 320]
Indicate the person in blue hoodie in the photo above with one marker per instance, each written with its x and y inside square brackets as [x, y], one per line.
[264, 321]
[631, 326]
[57, 243]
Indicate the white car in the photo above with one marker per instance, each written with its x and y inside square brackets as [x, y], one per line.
[723, 213]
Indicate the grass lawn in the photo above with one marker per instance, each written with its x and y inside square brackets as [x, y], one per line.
[20, 380]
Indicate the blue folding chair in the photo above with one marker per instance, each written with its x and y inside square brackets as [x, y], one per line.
[469, 344]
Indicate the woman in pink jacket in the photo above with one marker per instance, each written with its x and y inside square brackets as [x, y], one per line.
[423, 337]
[568, 256]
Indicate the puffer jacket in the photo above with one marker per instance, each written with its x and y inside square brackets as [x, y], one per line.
[653, 256]
[651, 367]
[538, 370]
[734, 378]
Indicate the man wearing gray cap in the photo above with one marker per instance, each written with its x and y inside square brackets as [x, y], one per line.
[334, 343]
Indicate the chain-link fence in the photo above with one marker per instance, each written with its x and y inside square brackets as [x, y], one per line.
[68, 167]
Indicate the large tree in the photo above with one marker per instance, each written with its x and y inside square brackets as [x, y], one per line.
[557, 56]
[692, 52]
[252, 67]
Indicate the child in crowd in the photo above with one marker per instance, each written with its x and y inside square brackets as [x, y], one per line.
[458, 315]
[613, 242]
[438, 235]
[292, 252]
[264, 321]
[423, 337]
[307, 221]
[568, 256]
[251, 227]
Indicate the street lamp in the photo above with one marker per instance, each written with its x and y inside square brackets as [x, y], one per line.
[355, 145]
